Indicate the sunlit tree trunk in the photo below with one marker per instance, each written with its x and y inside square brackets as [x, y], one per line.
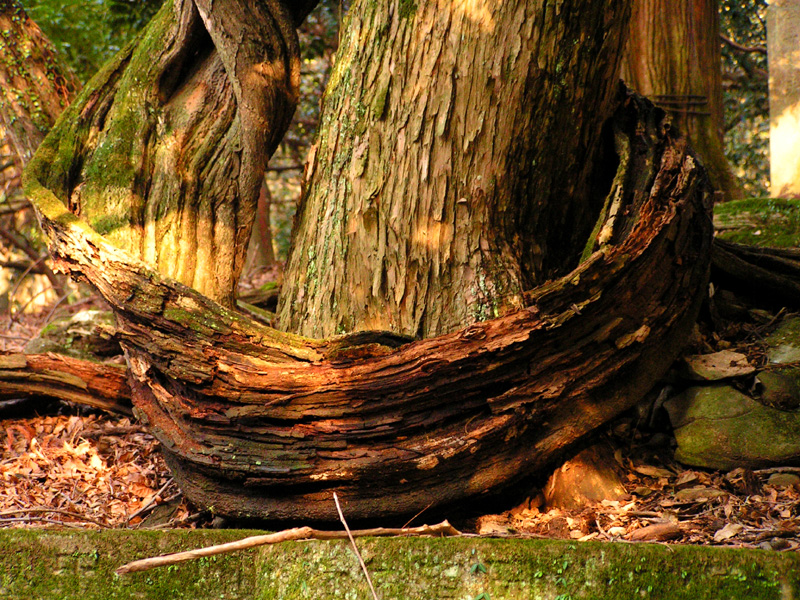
[454, 166]
[485, 149]
[783, 37]
[166, 172]
[673, 57]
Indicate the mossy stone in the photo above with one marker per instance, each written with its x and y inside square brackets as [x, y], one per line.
[718, 427]
[71, 565]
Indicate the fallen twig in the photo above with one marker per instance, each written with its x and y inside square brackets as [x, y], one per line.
[355, 548]
[442, 529]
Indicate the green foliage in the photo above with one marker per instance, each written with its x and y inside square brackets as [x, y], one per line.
[87, 33]
[745, 93]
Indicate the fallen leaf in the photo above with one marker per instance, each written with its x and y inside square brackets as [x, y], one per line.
[719, 365]
[656, 532]
[730, 530]
[651, 471]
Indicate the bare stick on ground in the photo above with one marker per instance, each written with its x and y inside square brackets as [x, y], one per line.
[355, 548]
[443, 529]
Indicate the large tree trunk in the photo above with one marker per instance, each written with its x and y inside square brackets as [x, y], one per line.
[255, 422]
[454, 165]
[173, 137]
[259, 422]
[673, 57]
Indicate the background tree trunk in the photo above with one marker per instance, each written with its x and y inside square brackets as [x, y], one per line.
[673, 57]
[783, 38]
[454, 164]
[34, 86]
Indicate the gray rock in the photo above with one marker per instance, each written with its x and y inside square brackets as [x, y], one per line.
[783, 345]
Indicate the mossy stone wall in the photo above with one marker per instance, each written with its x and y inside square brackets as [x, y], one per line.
[67, 565]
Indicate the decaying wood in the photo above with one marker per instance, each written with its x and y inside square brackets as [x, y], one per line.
[443, 529]
[99, 385]
[258, 422]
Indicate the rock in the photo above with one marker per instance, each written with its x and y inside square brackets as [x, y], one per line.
[783, 345]
[781, 389]
[783, 479]
[718, 427]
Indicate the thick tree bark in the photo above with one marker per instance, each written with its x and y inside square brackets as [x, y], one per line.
[454, 165]
[164, 151]
[255, 422]
[673, 57]
[98, 385]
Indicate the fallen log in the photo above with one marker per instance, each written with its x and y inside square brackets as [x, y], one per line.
[256, 422]
[55, 376]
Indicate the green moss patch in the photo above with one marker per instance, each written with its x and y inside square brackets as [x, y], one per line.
[772, 222]
[66, 564]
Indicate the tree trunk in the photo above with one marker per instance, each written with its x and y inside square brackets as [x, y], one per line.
[783, 24]
[673, 57]
[175, 133]
[256, 422]
[34, 87]
[454, 168]
[260, 253]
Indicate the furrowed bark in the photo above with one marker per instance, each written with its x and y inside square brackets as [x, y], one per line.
[165, 149]
[454, 165]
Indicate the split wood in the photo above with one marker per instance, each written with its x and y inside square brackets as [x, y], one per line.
[443, 529]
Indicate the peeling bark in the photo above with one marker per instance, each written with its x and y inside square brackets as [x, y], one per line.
[258, 422]
[98, 385]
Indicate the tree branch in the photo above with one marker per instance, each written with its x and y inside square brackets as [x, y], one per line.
[741, 48]
[443, 529]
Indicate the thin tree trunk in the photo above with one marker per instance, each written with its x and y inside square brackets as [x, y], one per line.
[673, 56]
[454, 164]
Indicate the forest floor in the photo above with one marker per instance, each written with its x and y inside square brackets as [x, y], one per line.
[66, 466]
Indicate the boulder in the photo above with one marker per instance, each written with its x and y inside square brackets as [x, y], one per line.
[719, 427]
